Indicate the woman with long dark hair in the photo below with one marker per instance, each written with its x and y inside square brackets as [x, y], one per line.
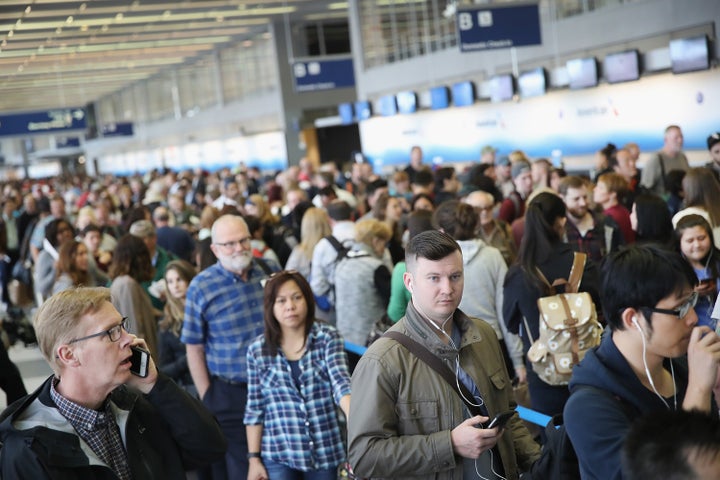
[542, 250]
[297, 374]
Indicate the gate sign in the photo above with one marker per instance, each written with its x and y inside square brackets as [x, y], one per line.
[58, 120]
[323, 74]
[485, 28]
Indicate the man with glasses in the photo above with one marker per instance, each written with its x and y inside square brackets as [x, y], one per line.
[223, 315]
[653, 358]
[93, 418]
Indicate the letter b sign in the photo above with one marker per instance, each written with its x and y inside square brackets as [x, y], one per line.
[465, 21]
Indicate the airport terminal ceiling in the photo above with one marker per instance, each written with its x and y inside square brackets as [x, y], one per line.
[56, 53]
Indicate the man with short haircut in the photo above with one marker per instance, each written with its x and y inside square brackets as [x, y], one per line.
[503, 173]
[416, 162]
[513, 207]
[93, 418]
[610, 189]
[175, 240]
[405, 419]
[487, 155]
[624, 164]
[648, 298]
[713, 143]
[540, 172]
[673, 445]
[145, 230]
[670, 157]
[325, 257]
[223, 314]
[491, 230]
[587, 232]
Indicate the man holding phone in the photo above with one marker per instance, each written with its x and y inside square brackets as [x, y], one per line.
[94, 418]
[405, 420]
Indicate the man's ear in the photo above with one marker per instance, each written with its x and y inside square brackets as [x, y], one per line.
[627, 317]
[65, 355]
[407, 280]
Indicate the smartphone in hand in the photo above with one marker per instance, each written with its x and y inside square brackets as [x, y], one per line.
[140, 362]
[500, 420]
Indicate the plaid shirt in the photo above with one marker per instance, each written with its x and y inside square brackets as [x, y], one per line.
[225, 314]
[300, 428]
[98, 429]
[596, 240]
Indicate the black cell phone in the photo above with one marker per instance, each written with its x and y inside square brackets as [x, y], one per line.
[140, 362]
[501, 419]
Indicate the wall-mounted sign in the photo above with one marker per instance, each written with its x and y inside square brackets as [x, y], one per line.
[121, 129]
[57, 120]
[485, 28]
[317, 75]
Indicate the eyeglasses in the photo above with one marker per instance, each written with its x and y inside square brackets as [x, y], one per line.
[245, 242]
[681, 311]
[113, 333]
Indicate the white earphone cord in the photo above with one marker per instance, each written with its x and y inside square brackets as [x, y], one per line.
[649, 377]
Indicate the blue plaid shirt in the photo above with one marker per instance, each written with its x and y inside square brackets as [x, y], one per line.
[300, 427]
[224, 313]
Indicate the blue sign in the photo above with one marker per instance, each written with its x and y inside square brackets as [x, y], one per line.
[439, 98]
[387, 106]
[363, 110]
[62, 119]
[485, 28]
[463, 94]
[67, 142]
[345, 110]
[122, 129]
[323, 75]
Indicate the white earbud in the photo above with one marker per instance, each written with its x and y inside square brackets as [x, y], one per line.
[635, 322]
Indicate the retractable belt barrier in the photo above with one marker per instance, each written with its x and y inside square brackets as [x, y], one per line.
[526, 414]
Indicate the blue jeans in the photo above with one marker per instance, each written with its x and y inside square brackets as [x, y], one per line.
[278, 471]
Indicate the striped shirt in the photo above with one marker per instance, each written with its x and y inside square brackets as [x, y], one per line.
[224, 313]
[98, 429]
[300, 427]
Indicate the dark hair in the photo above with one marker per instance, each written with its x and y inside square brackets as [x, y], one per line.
[442, 174]
[433, 245]
[654, 223]
[664, 444]
[131, 257]
[139, 212]
[379, 210]
[457, 219]
[175, 307]
[703, 190]
[423, 177]
[66, 263]
[417, 197]
[374, 186]
[253, 223]
[52, 230]
[339, 210]
[690, 221]
[273, 332]
[327, 191]
[571, 181]
[419, 221]
[674, 181]
[90, 227]
[540, 233]
[640, 276]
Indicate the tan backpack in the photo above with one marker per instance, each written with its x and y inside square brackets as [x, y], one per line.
[568, 328]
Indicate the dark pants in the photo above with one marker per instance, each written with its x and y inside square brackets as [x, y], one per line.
[227, 402]
[278, 471]
[10, 379]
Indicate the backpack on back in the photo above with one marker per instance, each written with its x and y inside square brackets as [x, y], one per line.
[323, 301]
[568, 327]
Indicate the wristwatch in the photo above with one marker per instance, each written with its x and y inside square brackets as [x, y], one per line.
[253, 455]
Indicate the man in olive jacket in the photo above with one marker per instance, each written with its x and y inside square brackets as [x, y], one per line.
[405, 420]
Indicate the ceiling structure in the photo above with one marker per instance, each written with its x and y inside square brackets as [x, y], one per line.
[59, 53]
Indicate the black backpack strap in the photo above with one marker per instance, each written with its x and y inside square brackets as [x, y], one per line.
[263, 266]
[335, 243]
[436, 364]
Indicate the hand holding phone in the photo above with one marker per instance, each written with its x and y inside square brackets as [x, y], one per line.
[500, 420]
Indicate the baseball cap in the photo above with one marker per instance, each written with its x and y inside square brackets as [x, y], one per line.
[519, 167]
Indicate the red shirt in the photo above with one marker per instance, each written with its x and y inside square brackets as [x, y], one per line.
[621, 215]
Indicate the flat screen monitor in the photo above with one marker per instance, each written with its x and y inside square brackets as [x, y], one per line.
[532, 83]
[363, 110]
[463, 94]
[502, 88]
[689, 54]
[406, 102]
[582, 72]
[387, 106]
[622, 66]
[439, 98]
[345, 110]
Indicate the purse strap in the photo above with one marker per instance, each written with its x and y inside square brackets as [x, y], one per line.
[436, 364]
[572, 284]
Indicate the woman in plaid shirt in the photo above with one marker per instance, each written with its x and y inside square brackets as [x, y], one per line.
[297, 373]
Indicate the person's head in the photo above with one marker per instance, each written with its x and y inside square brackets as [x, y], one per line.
[374, 190]
[556, 176]
[289, 305]
[131, 257]
[178, 275]
[483, 203]
[231, 243]
[419, 221]
[673, 445]
[522, 177]
[387, 208]
[694, 239]
[85, 216]
[208, 216]
[315, 226]
[79, 334]
[92, 236]
[540, 172]
[701, 189]
[434, 275]
[57, 206]
[295, 196]
[610, 187]
[459, 220]
[674, 182]
[625, 164]
[231, 189]
[503, 168]
[339, 211]
[637, 281]
[487, 155]
[650, 219]
[605, 157]
[421, 201]
[374, 234]
[634, 150]
[401, 181]
[58, 231]
[423, 181]
[713, 143]
[73, 261]
[446, 180]
[256, 205]
[574, 192]
[416, 157]
[145, 231]
[161, 216]
[673, 140]
[176, 202]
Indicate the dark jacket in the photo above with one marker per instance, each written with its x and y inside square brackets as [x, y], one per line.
[173, 358]
[167, 432]
[597, 424]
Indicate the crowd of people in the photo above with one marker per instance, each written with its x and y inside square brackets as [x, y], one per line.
[243, 288]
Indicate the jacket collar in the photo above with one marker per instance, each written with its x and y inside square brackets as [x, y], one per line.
[420, 330]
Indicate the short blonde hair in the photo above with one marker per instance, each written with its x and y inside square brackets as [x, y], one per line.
[369, 229]
[56, 321]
